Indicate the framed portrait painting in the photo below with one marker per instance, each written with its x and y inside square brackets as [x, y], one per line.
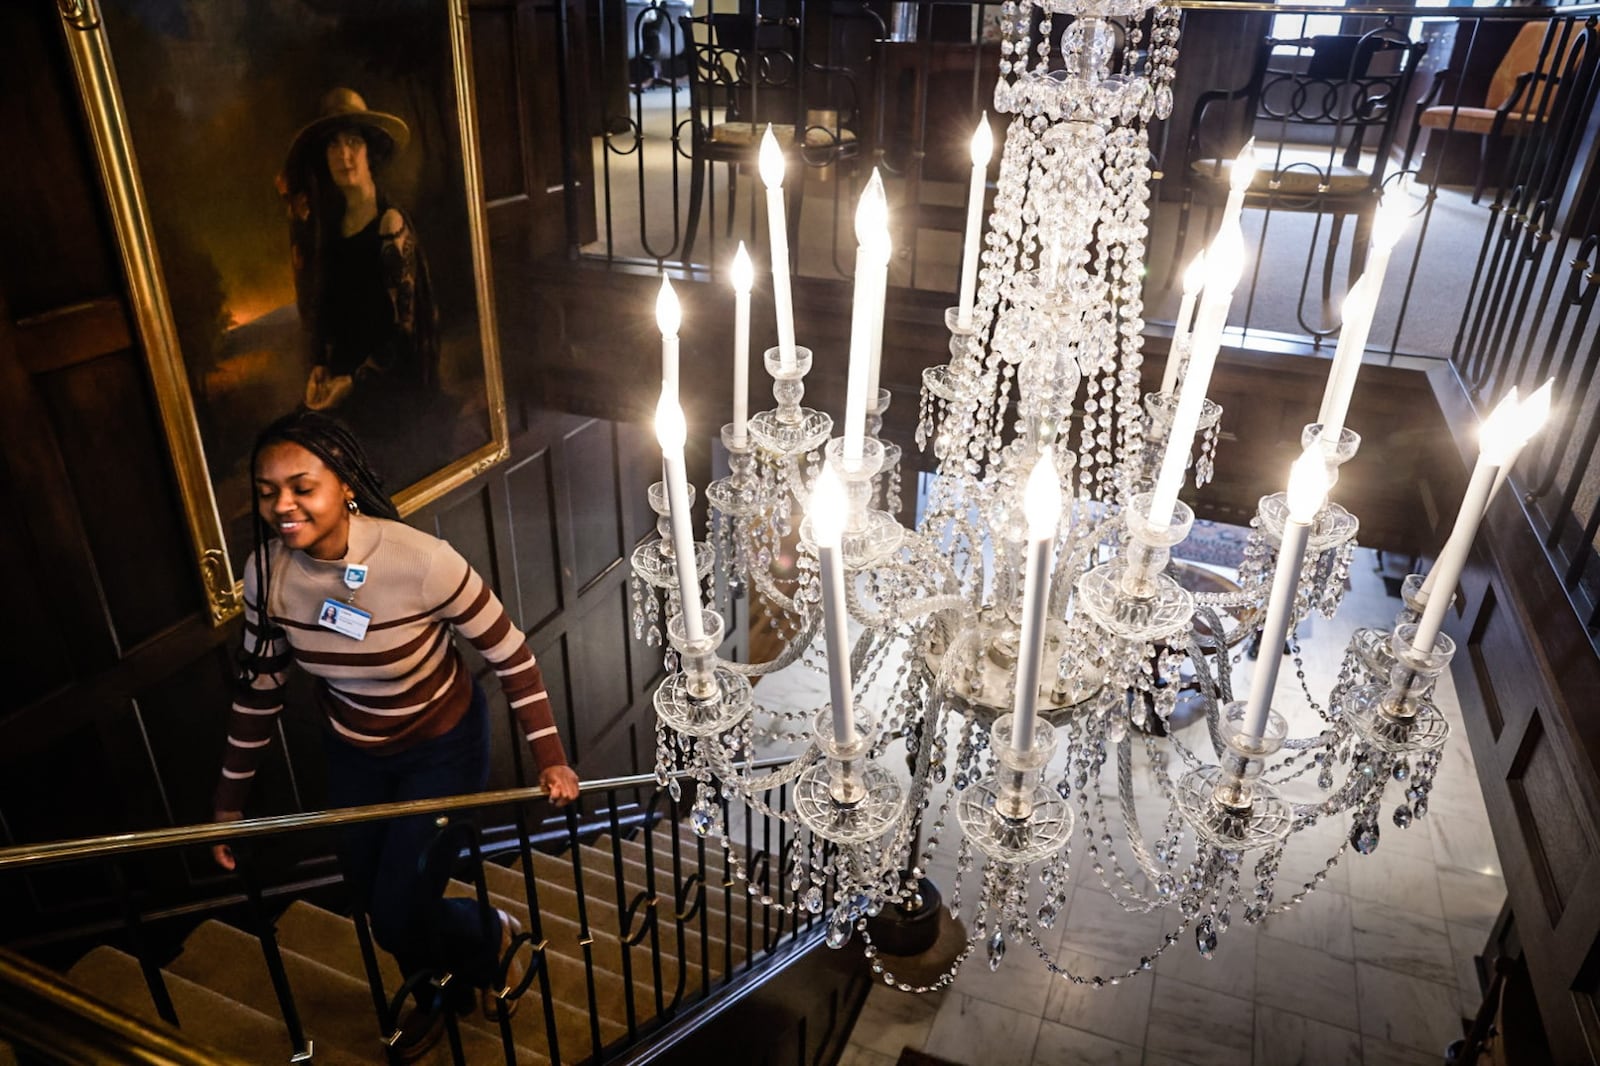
[296, 193]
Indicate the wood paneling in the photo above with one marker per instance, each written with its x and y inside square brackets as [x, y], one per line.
[530, 488]
[117, 690]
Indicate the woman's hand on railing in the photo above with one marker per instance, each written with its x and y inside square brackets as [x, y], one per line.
[222, 853]
[561, 784]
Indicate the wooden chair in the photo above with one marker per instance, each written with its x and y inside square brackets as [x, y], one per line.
[745, 74]
[1347, 92]
[1521, 96]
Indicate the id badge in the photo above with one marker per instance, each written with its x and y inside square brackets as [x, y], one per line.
[343, 618]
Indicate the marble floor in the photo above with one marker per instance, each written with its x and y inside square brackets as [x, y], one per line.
[1375, 966]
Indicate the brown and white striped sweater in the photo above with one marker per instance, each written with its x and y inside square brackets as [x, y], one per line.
[405, 682]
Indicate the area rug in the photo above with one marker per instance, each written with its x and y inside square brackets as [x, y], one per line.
[1214, 543]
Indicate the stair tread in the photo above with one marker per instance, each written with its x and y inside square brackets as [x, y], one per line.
[331, 939]
[204, 1015]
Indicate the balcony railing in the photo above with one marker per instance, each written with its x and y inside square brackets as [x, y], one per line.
[630, 918]
[1495, 141]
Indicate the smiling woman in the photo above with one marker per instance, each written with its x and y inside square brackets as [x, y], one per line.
[367, 606]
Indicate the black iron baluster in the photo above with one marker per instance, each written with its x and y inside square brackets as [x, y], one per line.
[369, 962]
[267, 933]
[627, 936]
[530, 888]
[154, 979]
[586, 936]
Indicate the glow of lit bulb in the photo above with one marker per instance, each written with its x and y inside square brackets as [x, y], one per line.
[669, 316]
[770, 160]
[1041, 500]
[872, 218]
[743, 273]
[982, 142]
[671, 430]
[1358, 301]
[1308, 486]
[1194, 278]
[827, 509]
[1243, 171]
[1225, 261]
[1533, 412]
[1500, 433]
[1393, 216]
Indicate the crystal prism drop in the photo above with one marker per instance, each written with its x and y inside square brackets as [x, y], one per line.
[839, 929]
[1402, 770]
[1402, 816]
[674, 790]
[1047, 913]
[1364, 837]
[997, 950]
[701, 819]
[1205, 937]
[1420, 808]
[1325, 779]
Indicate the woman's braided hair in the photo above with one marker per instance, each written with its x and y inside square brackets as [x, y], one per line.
[329, 440]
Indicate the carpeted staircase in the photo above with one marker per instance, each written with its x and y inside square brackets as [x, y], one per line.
[224, 998]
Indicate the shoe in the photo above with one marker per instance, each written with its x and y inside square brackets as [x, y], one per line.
[420, 1030]
[510, 928]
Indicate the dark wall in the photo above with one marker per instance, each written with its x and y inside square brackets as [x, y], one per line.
[117, 685]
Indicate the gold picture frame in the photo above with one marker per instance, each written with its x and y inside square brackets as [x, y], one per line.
[209, 104]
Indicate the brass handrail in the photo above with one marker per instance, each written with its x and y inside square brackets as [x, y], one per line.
[25, 855]
[39, 1004]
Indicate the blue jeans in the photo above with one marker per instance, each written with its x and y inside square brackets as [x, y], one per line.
[385, 863]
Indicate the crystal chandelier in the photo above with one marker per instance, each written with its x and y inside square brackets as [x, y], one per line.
[1024, 649]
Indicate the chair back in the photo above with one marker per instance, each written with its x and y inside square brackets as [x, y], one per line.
[741, 71]
[1527, 53]
[1352, 87]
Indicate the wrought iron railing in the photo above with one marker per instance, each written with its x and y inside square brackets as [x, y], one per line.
[676, 888]
[1496, 274]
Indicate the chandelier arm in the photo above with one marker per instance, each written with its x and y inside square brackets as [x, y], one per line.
[1130, 817]
[792, 651]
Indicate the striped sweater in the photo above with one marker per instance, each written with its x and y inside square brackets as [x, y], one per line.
[405, 682]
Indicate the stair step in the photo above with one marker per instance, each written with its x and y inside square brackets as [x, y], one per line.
[204, 1015]
[335, 1007]
[567, 986]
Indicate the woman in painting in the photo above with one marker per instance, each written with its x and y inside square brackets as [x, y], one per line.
[361, 281]
[404, 718]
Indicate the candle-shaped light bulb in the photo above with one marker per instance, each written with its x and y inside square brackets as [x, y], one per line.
[1392, 218]
[829, 509]
[668, 318]
[872, 217]
[743, 276]
[671, 430]
[872, 260]
[1240, 175]
[982, 142]
[1501, 432]
[827, 513]
[770, 160]
[1243, 171]
[1041, 507]
[1194, 280]
[982, 149]
[1308, 484]
[743, 272]
[1499, 437]
[1224, 266]
[1041, 498]
[771, 165]
[672, 433]
[1530, 417]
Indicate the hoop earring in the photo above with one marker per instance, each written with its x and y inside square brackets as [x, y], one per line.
[352, 506]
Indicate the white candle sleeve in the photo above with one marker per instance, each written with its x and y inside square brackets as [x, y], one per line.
[836, 630]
